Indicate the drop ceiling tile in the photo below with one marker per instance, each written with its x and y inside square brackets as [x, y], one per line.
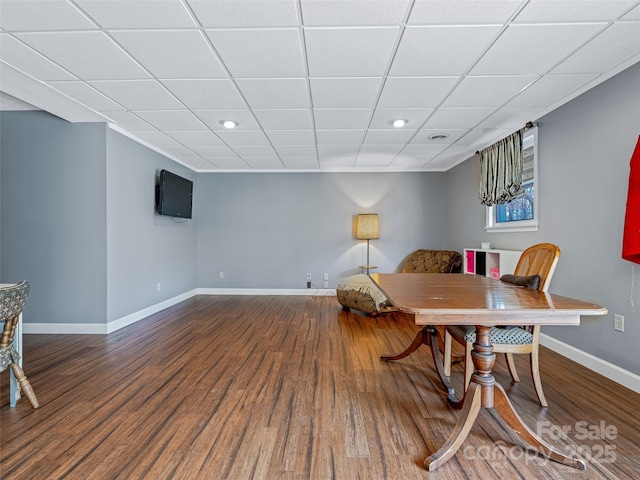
[245, 13]
[11, 103]
[389, 136]
[368, 54]
[265, 163]
[353, 12]
[406, 162]
[179, 151]
[482, 137]
[511, 117]
[325, 151]
[229, 163]
[432, 51]
[345, 92]
[138, 14]
[550, 89]
[340, 137]
[155, 138]
[285, 119]
[422, 151]
[422, 137]
[196, 139]
[206, 93]
[163, 53]
[291, 137]
[452, 156]
[331, 119]
[337, 162]
[88, 55]
[462, 12]
[213, 151]
[213, 118]
[301, 163]
[415, 117]
[129, 121]
[487, 91]
[458, 117]
[280, 93]
[634, 14]
[200, 164]
[30, 62]
[138, 94]
[291, 151]
[572, 11]
[388, 148]
[85, 94]
[42, 15]
[235, 138]
[613, 46]
[260, 53]
[173, 120]
[255, 151]
[374, 159]
[533, 49]
[417, 92]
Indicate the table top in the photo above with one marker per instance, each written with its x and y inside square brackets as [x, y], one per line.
[459, 299]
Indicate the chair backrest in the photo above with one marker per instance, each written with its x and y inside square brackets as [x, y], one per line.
[433, 261]
[539, 259]
[12, 301]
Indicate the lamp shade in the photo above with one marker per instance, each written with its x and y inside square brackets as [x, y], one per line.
[367, 226]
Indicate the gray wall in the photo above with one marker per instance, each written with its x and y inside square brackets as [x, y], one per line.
[78, 222]
[270, 230]
[53, 215]
[584, 152]
[143, 248]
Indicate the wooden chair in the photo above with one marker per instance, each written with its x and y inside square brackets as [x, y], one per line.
[539, 260]
[12, 301]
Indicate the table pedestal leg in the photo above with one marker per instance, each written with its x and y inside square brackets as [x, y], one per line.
[484, 392]
[427, 336]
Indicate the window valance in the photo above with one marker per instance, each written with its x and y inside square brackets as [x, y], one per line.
[501, 170]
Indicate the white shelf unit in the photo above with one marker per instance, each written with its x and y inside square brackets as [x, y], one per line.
[490, 263]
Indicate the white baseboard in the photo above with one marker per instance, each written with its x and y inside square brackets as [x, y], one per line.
[102, 329]
[314, 292]
[139, 315]
[609, 370]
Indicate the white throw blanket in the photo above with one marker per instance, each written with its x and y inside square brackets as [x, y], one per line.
[363, 284]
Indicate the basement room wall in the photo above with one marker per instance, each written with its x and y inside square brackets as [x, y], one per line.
[144, 249]
[584, 152]
[268, 230]
[53, 188]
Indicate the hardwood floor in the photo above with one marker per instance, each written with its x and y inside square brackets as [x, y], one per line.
[291, 388]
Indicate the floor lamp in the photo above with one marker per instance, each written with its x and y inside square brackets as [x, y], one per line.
[367, 229]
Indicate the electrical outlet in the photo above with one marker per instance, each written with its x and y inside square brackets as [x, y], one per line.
[221, 274]
[308, 280]
[158, 287]
[326, 280]
[618, 322]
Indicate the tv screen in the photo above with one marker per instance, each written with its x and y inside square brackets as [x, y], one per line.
[174, 195]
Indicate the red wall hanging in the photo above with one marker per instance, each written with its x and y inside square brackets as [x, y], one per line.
[631, 236]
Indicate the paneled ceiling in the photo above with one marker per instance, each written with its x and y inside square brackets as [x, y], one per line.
[314, 85]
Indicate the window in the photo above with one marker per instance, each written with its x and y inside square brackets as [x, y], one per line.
[520, 214]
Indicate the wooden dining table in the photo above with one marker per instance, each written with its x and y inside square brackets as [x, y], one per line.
[451, 299]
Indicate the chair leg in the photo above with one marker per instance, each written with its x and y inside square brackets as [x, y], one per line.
[535, 375]
[447, 353]
[468, 364]
[511, 364]
[25, 386]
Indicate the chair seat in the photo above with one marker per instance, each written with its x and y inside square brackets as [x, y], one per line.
[8, 355]
[512, 335]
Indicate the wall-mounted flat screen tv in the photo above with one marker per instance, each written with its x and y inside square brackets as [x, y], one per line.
[174, 195]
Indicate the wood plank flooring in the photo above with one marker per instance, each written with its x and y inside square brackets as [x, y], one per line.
[287, 388]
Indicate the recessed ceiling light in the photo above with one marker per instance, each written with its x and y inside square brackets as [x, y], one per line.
[399, 123]
[229, 124]
[438, 136]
